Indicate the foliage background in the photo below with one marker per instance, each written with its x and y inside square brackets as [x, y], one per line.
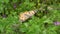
[41, 23]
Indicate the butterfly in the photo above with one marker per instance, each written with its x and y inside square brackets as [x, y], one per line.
[26, 15]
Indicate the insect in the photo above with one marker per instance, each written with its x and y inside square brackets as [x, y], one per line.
[26, 15]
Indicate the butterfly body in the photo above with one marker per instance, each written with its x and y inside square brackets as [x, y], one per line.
[26, 15]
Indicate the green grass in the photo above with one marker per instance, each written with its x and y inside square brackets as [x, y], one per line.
[41, 23]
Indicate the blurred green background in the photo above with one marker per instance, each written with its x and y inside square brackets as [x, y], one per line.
[40, 23]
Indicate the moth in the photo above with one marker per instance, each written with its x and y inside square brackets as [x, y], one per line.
[26, 15]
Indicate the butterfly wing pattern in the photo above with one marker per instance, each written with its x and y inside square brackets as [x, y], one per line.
[26, 15]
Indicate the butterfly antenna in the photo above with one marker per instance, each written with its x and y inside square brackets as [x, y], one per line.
[37, 10]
